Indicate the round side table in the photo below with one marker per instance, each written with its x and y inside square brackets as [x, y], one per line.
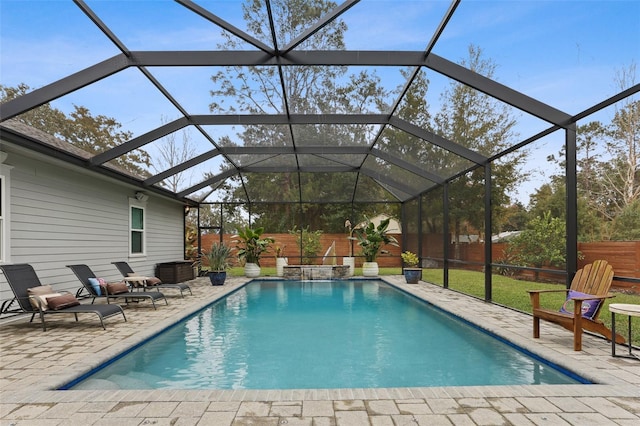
[625, 309]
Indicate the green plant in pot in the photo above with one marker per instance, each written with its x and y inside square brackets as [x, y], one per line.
[218, 258]
[412, 274]
[371, 238]
[251, 245]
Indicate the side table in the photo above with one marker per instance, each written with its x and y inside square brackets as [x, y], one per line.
[630, 311]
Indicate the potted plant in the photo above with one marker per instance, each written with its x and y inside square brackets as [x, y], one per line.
[371, 238]
[218, 259]
[281, 261]
[412, 274]
[250, 245]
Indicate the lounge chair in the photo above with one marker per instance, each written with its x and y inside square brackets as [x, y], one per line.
[589, 289]
[23, 279]
[84, 273]
[126, 272]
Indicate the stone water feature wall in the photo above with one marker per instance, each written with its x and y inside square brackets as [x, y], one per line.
[315, 272]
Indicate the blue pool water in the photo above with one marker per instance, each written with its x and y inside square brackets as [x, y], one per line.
[334, 334]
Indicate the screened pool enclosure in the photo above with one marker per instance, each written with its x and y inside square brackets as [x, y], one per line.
[465, 120]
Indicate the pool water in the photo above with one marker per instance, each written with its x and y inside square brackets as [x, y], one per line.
[333, 334]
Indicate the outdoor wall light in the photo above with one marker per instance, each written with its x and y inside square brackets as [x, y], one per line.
[142, 197]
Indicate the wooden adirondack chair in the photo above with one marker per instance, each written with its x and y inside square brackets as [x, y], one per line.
[594, 280]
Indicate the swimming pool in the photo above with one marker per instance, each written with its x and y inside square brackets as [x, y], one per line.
[333, 334]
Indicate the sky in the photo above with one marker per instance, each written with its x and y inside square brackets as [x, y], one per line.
[563, 53]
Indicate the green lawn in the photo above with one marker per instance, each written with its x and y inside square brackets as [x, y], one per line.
[506, 291]
[513, 293]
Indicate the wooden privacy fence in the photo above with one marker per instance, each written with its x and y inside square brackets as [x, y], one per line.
[624, 256]
[292, 251]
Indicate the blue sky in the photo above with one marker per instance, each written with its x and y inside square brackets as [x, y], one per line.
[564, 53]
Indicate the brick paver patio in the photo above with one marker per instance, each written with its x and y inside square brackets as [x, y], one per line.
[33, 362]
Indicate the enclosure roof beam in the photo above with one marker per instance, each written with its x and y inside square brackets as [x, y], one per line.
[225, 25]
[212, 181]
[407, 166]
[65, 85]
[430, 137]
[181, 167]
[36, 145]
[140, 141]
[256, 58]
[254, 119]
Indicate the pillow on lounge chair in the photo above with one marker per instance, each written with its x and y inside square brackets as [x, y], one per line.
[148, 281]
[38, 296]
[154, 281]
[41, 289]
[95, 284]
[117, 288]
[589, 307]
[62, 301]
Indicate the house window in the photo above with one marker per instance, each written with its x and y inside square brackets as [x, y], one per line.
[137, 231]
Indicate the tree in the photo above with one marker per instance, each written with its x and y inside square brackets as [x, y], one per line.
[551, 198]
[483, 124]
[93, 134]
[608, 177]
[543, 243]
[626, 226]
[44, 118]
[514, 218]
[308, 89]
[624, 145]
[173, 153]
[308, 242]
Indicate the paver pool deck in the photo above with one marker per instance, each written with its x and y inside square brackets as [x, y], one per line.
[33, 362]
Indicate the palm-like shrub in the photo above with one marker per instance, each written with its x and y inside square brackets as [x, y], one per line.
[371, 238]
[251, 245]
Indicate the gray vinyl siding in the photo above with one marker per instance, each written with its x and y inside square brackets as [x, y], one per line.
[60, 216]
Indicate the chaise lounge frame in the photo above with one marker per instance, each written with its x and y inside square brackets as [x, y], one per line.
[125, 270]
[22, 276]
[83, 272]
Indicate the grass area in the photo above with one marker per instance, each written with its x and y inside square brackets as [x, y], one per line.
[513, 293]
[506, 291]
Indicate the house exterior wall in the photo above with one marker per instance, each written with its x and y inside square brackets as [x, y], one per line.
[61, 215]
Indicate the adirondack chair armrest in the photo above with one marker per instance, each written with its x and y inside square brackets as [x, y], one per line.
[565, 290]
[534, 295]
[591, 297]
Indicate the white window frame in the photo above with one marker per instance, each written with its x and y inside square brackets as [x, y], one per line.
[134, 203]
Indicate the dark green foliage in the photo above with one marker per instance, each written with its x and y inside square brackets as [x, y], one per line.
[371, 238]
[251, 245]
